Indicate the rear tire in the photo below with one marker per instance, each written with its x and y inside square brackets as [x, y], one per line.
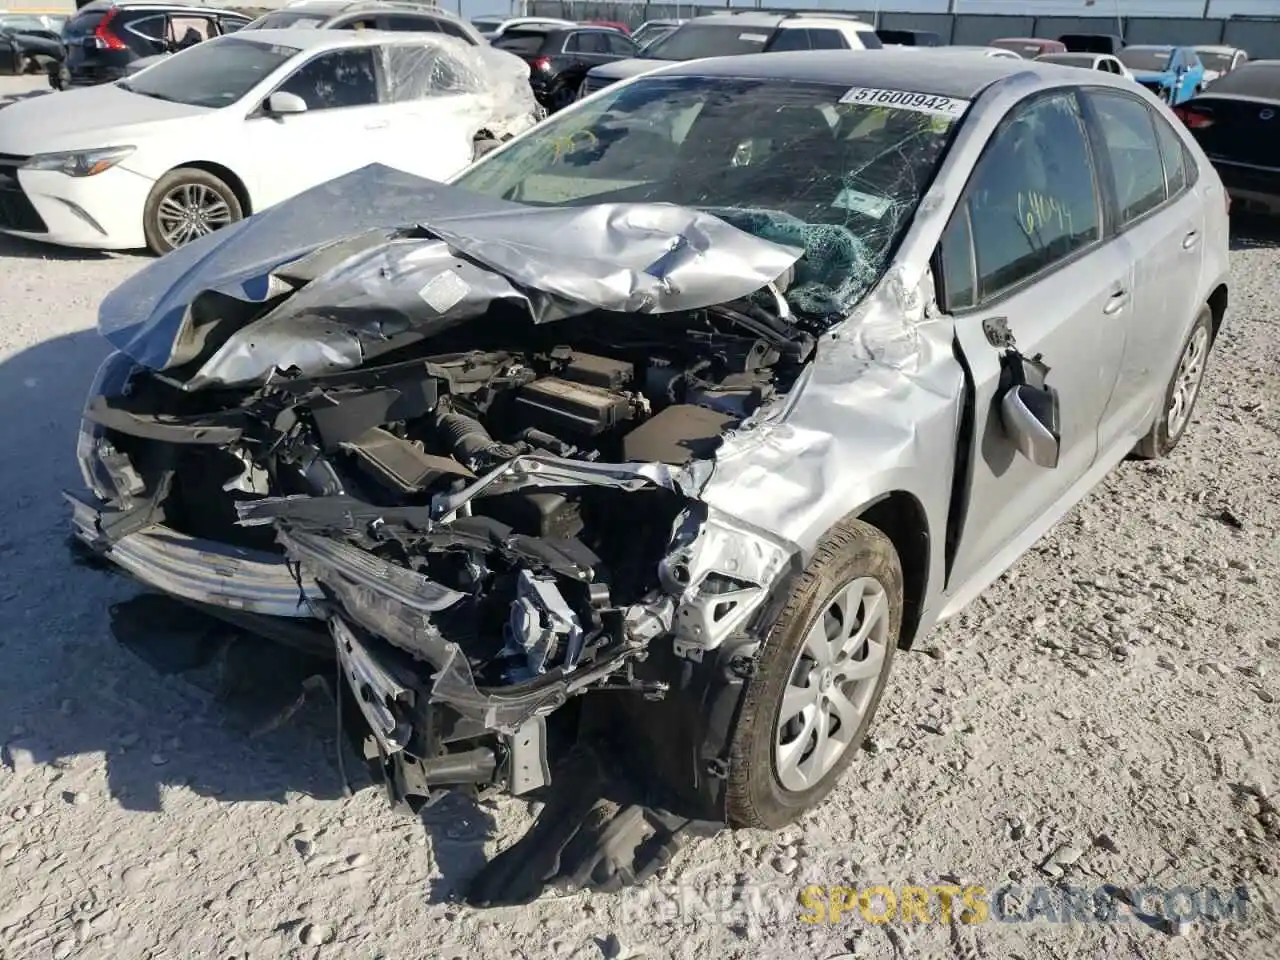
[799, 707]
[1183, 391]
[186, 204]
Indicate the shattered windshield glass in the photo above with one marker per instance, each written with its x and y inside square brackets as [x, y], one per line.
[788, 162]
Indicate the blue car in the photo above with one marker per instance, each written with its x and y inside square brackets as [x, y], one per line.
[1174, 74]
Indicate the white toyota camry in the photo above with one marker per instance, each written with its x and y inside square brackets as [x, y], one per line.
[236, 124]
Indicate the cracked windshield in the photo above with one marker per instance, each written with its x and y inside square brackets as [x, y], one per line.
[811, 165]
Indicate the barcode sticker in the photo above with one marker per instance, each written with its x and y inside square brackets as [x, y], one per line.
[906, 100]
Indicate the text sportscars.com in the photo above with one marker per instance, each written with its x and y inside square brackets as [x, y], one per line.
[939, 903]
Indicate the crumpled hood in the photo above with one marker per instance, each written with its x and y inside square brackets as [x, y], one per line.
[380, 258]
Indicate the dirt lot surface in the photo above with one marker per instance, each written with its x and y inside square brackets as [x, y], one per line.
[1106, 715]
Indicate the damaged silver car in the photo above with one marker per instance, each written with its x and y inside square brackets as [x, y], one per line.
[617, 470]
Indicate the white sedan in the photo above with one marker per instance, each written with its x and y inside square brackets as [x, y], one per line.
[236, 124]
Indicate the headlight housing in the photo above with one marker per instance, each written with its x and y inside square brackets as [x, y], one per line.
[79, 163]
[93, 449]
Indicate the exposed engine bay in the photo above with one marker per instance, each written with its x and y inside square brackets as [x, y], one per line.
[535, 593]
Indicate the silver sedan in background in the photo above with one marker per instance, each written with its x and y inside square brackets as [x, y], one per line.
[664, 425]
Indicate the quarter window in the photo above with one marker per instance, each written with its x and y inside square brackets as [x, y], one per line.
[343, 78]
[790, 40]
[1129, 138]
[1175, 155]
[400, 22]
[619, 45]
[1032, 200]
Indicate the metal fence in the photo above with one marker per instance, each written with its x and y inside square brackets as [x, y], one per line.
[1260, 36]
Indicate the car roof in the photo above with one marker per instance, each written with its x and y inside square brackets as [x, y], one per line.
[1025, 40]
[310, 39]
[800, 21]
[925, 70]
[97, 5]
[1152, 46]
[1215, 48]
[748, 18]
[1057, 56]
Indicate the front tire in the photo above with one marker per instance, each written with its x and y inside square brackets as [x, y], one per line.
[1183, 391]
[185, 205]
[819, 679]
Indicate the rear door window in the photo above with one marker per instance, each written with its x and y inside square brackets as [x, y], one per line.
[586, 41]
[872, 42]
[828, 40]
[340, 78]
[1129, 138]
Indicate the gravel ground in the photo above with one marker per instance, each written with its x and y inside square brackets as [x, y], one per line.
[1106, 714]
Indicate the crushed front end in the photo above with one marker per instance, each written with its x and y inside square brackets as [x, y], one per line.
[492, 523]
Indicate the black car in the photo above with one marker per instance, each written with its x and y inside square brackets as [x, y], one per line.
[27, 45]
[559, 57]
[909, 38]
[105, 36]
[1092, 43]
[1237, 122]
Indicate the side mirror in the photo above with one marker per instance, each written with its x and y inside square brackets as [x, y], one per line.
[1030, 418]
[281, 104]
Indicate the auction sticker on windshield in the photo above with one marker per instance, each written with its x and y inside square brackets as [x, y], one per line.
[906, 100]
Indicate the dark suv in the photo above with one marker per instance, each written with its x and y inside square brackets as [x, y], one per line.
[559, 57]
[105, 36]
[420, 17]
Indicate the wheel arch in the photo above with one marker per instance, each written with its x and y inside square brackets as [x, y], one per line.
[901, 517]
[1218, 307]
[225, 174]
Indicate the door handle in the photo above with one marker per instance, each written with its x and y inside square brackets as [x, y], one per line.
[1118, 299]
[1190, 240]
[375, 125]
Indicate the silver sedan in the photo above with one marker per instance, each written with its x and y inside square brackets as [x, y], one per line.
[673, 418]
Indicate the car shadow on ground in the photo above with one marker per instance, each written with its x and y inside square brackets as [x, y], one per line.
[7, 99]
[19, 248]
[148, 695]
[1251, 232]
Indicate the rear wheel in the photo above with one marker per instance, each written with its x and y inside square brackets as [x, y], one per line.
[819, 680]
[187, 204]
[1182, 393]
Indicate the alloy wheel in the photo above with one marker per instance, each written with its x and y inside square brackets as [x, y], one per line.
[831, 684]
[190, 211]
[1187, 381]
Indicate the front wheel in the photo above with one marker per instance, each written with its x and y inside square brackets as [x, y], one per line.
[1182, 392]
[820, 677]
[187, 204]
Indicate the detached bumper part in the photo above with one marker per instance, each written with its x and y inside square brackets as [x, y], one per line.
[595, 833]
[202, 571]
